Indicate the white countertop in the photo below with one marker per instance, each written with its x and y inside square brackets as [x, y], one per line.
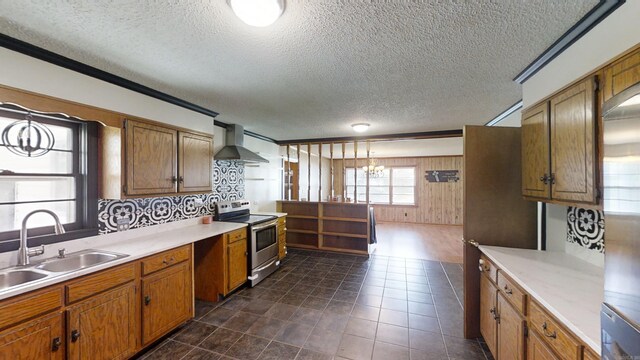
[569, 288]
[136, 243]
[278, 214]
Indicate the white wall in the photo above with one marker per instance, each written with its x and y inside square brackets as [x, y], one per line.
[263, 184]
[27, 73]
[613, 36]
[513, 120]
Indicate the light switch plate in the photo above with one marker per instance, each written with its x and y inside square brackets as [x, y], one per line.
[123, 223]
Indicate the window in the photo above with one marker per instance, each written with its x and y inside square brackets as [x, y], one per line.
[395, 187]
[63, 181]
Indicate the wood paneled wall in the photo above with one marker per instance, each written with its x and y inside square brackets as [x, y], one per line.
[436, 203]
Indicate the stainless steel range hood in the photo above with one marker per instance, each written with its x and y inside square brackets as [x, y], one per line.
[234, 147]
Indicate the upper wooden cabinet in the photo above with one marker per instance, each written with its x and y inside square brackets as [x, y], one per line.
[535, 152]
[559, 154]
[621, 74]
[148, 159]
[151, 159]
[195, 161]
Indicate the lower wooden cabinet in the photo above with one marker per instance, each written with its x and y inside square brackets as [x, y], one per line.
[537, 349]
[282, 238]
[39, 339]
[166, 301]
[511, 331]
[103, 327]
[488, 313]
[236, 264]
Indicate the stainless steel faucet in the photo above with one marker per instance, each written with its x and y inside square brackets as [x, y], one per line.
[24, 253]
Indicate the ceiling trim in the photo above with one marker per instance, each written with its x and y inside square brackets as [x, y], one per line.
[589, 21]
[67, 63]
[402, 136]
[510, 110]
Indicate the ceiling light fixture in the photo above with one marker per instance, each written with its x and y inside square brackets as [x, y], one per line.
[259, 13]
[360, 127]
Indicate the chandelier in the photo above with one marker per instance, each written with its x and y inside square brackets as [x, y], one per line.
[374, 170]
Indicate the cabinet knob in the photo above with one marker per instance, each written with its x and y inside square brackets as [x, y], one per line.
[507, 290]
[545, 179]
[181, 179]
[246, 253]
[174, 179]
[147, 300]
[55, 344]
[75, 335]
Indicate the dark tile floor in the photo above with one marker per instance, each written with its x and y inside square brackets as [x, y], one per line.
[331, 306]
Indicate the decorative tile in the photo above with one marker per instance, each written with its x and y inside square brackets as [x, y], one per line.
[228, 184]
[585, 227]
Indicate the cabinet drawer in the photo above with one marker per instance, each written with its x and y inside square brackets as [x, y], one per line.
[553, 334]
[512, 292]
[165, 259]
[23, 307]
[100, 282]
[589, 355]
[488, 268]
[236, 235]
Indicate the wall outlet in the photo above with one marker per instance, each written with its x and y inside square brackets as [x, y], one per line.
[123, 223]
[198, 202]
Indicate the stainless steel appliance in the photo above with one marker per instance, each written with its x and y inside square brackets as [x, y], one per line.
[621, 171]
[262, 237]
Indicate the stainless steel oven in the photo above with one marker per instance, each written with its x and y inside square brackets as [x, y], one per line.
[262, 238]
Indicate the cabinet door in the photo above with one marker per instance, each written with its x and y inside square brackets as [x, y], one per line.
[195, 161]
[103, 327]
[166, 301]
[510, 331]
[37, 339]
[573, 143]
[535, 152]
[488, 311]
[151, 159]
[537, 350]
[237, 264]
[621, 75]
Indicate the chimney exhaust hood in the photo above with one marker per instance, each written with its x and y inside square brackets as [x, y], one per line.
[234, 147]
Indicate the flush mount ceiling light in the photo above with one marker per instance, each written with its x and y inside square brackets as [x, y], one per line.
[259, 13]
[360, 127]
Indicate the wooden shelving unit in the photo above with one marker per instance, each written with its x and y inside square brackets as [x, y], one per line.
[341, 227]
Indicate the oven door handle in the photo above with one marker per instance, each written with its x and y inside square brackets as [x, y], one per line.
[264, 226]
[254, 277]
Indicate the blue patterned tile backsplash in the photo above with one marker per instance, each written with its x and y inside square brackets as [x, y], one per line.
[228, 184]
[585, 227]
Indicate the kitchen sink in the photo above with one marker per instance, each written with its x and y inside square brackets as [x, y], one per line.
[79, 260]
[13, 278]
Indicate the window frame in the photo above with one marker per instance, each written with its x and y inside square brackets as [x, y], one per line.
[84, 171]
[390, 203]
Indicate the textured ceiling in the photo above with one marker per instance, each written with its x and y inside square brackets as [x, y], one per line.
[403, 66]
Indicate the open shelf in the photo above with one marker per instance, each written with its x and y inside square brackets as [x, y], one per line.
[340, 227]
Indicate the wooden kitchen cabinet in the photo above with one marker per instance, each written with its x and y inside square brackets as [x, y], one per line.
[220, 265]
[195, 162]
[144, 158]
[511, 331]
[282, 238]
[535, 152]
[537, 349]
[236, 264]
[621, 74]
[559, 153]
[103, 327]
[166, 300]
[488, 313]
[38, 339]
[151, 159]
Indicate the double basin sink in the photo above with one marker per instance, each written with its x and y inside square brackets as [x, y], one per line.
[16, 277]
